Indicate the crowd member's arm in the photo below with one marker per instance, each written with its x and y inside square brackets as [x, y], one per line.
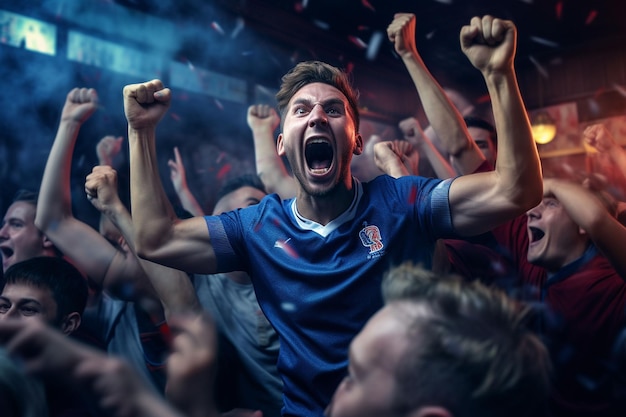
[107, 149]
[263, 120]
[191, 366]
[105, 382]
[479, 202]
[103, 263]
[178, 176]
[598, 137]
[159, 235]
[445, 119]
[172, 286]
[593, 217]
[396, 158]
[414, 134]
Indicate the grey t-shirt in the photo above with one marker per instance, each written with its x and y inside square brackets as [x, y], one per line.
[238, 316]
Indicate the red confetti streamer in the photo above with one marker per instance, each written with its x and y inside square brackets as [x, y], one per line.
[412, 195]
[483, 99]
[559, 9]
[298, 7]
[223, 171]
[357, 41]
[368, 5]
[349, 67]
[591, 17]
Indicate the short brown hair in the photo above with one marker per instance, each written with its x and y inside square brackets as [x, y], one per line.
[471, 352]
[310, 72]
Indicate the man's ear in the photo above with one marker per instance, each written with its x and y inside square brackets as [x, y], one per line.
[430, 411]
[358, 144]
[47, 243]
[70, 323]
[280, 148]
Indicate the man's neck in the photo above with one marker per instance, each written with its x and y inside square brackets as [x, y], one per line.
[325, 208]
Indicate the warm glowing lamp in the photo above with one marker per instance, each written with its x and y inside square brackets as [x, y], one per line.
[543, 128]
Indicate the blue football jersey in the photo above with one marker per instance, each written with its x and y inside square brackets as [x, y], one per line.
[319, 284]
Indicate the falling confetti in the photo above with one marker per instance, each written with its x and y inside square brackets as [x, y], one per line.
[591, 17]
[374, 45]
[368, 5]
[412, 195]
[190, 66]
[486, 98]
[219, 104]
[559, 9]
[544, 41]
[238, 28]
[430, 34]
[284, 245]
[224, 171]
[357, 41]
[216, 26]
[539, 67]
[286, 306]
[175, 116]
[321, 24]
[349, 67]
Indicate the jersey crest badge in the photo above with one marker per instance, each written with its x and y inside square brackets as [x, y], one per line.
[371, 238]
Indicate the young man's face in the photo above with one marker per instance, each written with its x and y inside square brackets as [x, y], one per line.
[28, 302]
[375, 355]
[19, 238]
[554, 240]
[319, 138]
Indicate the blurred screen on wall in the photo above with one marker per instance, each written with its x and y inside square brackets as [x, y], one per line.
[28, 33]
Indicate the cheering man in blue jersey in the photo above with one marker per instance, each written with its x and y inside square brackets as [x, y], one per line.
[316, 261]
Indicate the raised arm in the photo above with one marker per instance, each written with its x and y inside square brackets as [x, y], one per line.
[445, 119]
[414, 134]
[92, 253]
[107, 149]
[481, 201]
[588, 212]
[263, 120]
[159, 236]
[172, 286]
[178, 176]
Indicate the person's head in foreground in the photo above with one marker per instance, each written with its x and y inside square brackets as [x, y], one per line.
[45, 288]
[443, 347]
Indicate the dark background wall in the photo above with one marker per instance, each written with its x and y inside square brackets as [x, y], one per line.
[567, 52]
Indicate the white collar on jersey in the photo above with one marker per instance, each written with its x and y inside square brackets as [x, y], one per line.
[344, 217]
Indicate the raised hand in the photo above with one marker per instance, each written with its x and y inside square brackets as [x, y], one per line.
[598, 137]
[145, 104]
[401, 32]
[489, 43]
[262, 117]
[80, 103]
[396, 158]
[177, 172]
[101, 188]
[108, 148]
